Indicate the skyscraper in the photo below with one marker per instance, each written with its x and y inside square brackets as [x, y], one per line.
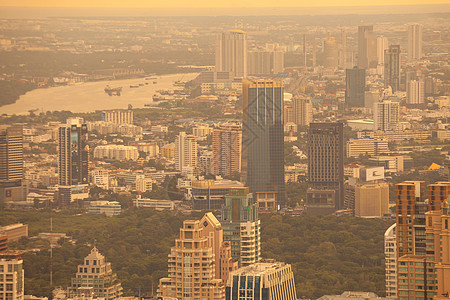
[367, 47]
[325, 192]
[262, 281]
[227, 149]
[231, 53]
[102, 281]
[302, 111]
[192, 270]
[185, 151]
[415, 41]
[241, 226]
[265, 62]
[263, 137]
[11, 164]
[392, 67]
[386, 115]
[382, 45]
[330, 53]
[73, 152]
[355, 85]
[343, 50]
[390, 258]
[415, 92]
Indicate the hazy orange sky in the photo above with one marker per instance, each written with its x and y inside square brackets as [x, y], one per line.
[209, 3]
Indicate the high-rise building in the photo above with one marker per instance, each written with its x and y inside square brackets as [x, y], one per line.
[386, 115]
[241, 226]
[185, 151]
[325, 192]
[330, 53]
[390, 258]
[392, 67]
[355, 85]
[367, 47]
[73, 152]
[343, 50]
[231, 53]
[95, 276]
[11, 276]
[382, 45]
[227, 150]
[11, 164]
[265, 62]
[118, 116]
[372, 199]
[415, 92]
[192, 269]
[262, 281]
[263, 137]
[302, 111]
[415, 41]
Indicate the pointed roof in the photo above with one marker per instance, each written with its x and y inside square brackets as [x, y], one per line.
[95, 254]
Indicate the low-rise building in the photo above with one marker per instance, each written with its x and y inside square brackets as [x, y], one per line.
[109, 208]
[15, 231]
[153, 203]
[366, 146]
[119, 152]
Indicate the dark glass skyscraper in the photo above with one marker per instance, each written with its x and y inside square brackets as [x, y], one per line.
[263, 137]
[392, 67]
[355, 84]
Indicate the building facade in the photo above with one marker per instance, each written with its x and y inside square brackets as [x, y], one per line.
[355, 85]
[185, 151]
[392, 67]
[227, 150]
[415, 92]
[366, 146]
[386, 114]
[372, 199]
[118, 116]
[11, 276]
[390, 258]
[118, 152]
[367, 47]
[302, 111]
[231, 53]
[415, 41]
[263, 62]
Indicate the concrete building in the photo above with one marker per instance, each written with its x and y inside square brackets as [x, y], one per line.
[185, 151]
[325, 192]
[263, 137]
[330, 53]
[231, 53]
[390, 258]
[415, 92]
[192, 270]
[386, 114]
[372, 199]
[151, 149]
[11, 276]
[95, 274]
[3, 242]
[143, 183]
[302, 111]
[168, 151]
[14, 231]
[415, 41]
[210, 194]
[118, 116]
[241, 226]
[382, 45]
[109, 208]
[200, 131]
[355, 85]
[262, 281]
[367, 47]
[392, 67]
[100, 178]
[227, 149]
[118, 152]
[350, 295]
[263, 62]
[367, 146]
[155, 204]
[396, 135]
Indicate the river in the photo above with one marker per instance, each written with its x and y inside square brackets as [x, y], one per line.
[90, 96]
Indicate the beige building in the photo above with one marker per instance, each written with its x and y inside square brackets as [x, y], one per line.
[168, 151]
[118, 116]
[372, 200]
[192, 269]
[390, 258]
[152, 149]
[227, 144]
[231, 53]
[119, 152]
[302, 111]
[11, 276]
[185, 151]
[367, 146]
[396, 135]
[15, 231]
[265, 62]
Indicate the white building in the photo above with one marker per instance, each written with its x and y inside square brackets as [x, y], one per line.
[185, 151]
[382, 44]
[119, 152]
[159, 129]
[302, 110]
[100, 177]
[357, 147]
[202, 131]
[386, 115]
[155, 204]
[415, 92]
[118, 116]
[109, 208]
[11, 276]
[231, 53]
[152, 149]
[415, 41]
[390, 254]
[143, 184]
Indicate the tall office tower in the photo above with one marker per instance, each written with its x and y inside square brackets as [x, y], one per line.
[343, 50]
[241, 226]
[227, 148]
[367, 47]
[415, 41]
[314, 53]
[331, 53]
[118, 116]
[355, 85]
[263, 137]
[212, 229]
[304, 50]
[11, 276]
[73, 152]
[262, 281]
[382, 45]
[192, 270]
[302, 111]
[11, 164]
[390, 258]
[392, 67]
[102, 283]
[386, 115]
[415, 92]
[325, 192]
[231, 53]
[185, 151]
[265, 62]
